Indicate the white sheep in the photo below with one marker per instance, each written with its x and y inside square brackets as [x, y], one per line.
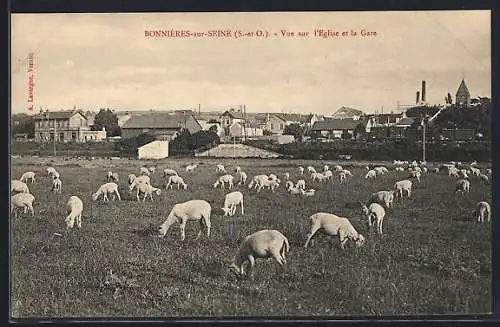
[257, 180]
[22, 201]
[50, 171]
[152, 169]
[144, 171]
[488, 171]
[436, 170]
[74, 208]
[379, 170]
[310, 169]
[371, 174]
[288, 184]
[342, 177]
[402, 186]
[237, 169]
[415, 174]
[328, 174]
[301, 184]
[262, 244]
[105, 189]
[190, 168]
[28, 176]
[301, 170]
[169, 172]
[148, 190]
[109, 175]
[18, 186]
[475, 171]
[131, 178]
[347, 172]
[462, 186]
[309, 192]
[57, 185]
[115, 178]
[338, 168]
[231, 201]
[474, 163]
[243, 177]
[222, 180]
[331, 224]
[383, 197]
[483, 178]
[424, 169]
[270, 184]
[318, 176]
[452, 171]
[375, 214]
[192, 210]
[143, 179]
[463, 173]
[326, 168]
[286, 176]
[482, 209]
[399, 169]
[220, 169]
[174, 179]
[273, 177]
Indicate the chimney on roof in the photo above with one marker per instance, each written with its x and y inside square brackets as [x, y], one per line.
[423, 91]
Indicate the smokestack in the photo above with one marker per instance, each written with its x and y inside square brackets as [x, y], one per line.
[423, 91]
[418, 97]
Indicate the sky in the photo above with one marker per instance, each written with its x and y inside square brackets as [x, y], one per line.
[105, 60]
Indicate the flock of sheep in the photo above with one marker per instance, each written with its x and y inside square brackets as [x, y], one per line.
[264, 243]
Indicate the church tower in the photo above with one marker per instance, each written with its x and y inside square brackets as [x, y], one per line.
[462, 97]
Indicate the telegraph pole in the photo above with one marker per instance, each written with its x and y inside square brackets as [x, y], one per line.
[55, 135]
[423, 140]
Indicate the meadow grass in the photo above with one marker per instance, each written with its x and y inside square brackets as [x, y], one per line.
[432, 259]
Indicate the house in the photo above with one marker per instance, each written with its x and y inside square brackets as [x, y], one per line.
[347, 113]
[65, 126]
[164, 125]
[462, 97]
[228, 117]
[334, 128]
[240, 130]
[153, 150]
[276, 122]
[405, 122]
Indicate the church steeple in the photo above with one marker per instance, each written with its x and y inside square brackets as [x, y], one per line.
[463, 95]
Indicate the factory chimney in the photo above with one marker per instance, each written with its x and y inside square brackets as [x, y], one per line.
[418, 97]
[423, 91]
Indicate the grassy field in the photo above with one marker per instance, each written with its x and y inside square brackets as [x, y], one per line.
[432, 259]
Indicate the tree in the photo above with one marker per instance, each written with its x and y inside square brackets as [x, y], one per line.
[345, 135]
[107, 119]
[23, 123]
[267, 132]
[294, 129]
[359, 130]
[213, 128]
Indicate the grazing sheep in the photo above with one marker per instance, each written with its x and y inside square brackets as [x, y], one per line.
[424, 169]
[115, 178]
[237, 169]
[56, 175]
[371, 174]
[401, 186]
[475, 171]
[57, 185]
[301, 170]
[231, 201]
[176, 180]
[294, 190]
[105, 189]
[169, 172]
[399, 169]
[28, 176]
[482, 209]
[143, 179]
[383, 197]
[18, 186]
[452, 171]
[318, 176]
[257, 180]
[379, 170]
[50, 171]
[288, 184]
[273, 177]
[347, 172]
[262, 244]
[342, 177]
[144, 171]
[301, 184]
[190, 168]
[331, 224]
[463, 173]
[483, 178]
[328, 174]
[147, 189]
[309, 192]
[192, 210]
[462, 186]
[310, 169]
[326, 168]
[74, 208]
[131, 178]
[224, 179]
[375, 213]
[109, 175]
[338, 168]
[220, 169]
[270, 184]
[22, 201]
[436, 170]
[286, 176]
[415, 174]
[243, 177]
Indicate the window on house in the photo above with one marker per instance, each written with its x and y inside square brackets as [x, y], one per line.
[52, 136]
[272, 126]
[73, 136]
[61, 136]
[282, 126]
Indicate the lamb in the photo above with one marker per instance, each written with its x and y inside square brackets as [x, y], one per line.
[375, 213]
[28, 176]
[190, 168]
[147, 189]
[143, 179]
[383, 197]
[482, 209]
[267, 243]
[286, 176]
[22, 201]
[243, 178]
[220, 169]
[483, 178]
[475, 171]
[462, 186]
[318, 176]
[371, 174]
[301, 170]
[144, 171]
[57, 185]
[270, 184]
[309, 192]
[342, 177]
[224, 179]
[74, 208]
[415, 174]
[331, 224]
[401, 186]
[176, 180]
[257, 180]
[310, 169]
[301, 184]
[18, 186]
[105, 189]
[192, 210]
[169, 172]
[231, 201]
